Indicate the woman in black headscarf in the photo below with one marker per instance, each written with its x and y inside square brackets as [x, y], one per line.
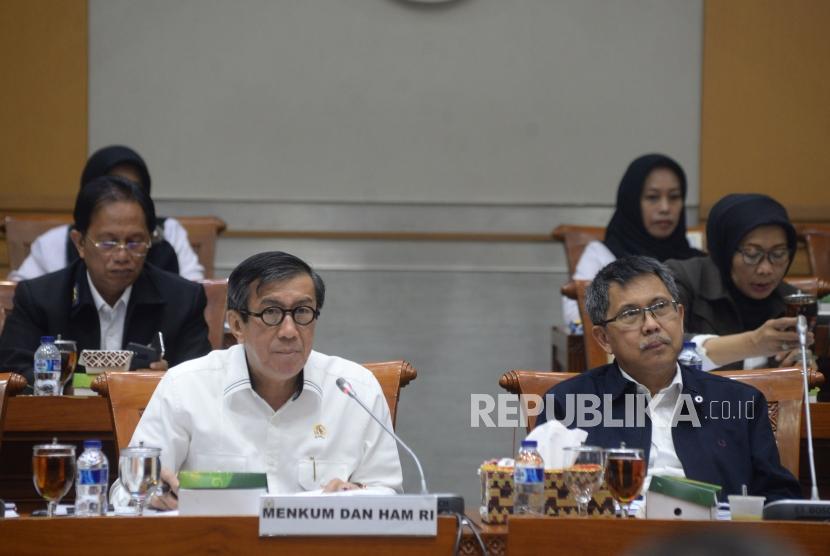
[737, 293]
[650, 219]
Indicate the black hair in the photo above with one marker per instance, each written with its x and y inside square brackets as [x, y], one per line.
[623, 271]
[111, 189]
[265, 268]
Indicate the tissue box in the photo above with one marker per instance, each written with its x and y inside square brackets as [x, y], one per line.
[497, 495]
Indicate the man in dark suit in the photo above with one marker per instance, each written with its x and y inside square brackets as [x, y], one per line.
[677, 415]
[109, 297]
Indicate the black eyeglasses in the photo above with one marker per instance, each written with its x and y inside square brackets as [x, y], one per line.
[631, 317]
[273, 316]
[776, 257]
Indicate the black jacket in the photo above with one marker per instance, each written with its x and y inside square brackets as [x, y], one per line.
[61, 303]
[729, 452]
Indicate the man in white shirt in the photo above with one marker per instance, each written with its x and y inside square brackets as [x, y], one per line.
[637, 319]
[270, 404]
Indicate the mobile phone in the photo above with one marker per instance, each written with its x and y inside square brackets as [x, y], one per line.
[143, 355]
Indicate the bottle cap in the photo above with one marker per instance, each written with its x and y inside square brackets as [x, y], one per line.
[529, 444]
[47, 339]
[92, 444]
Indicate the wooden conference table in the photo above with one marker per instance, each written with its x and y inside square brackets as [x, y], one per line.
[179, 536]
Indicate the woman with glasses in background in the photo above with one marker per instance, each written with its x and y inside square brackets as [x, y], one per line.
[734, 298]
[108, 297]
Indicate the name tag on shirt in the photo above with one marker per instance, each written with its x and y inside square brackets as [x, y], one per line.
[344, 515]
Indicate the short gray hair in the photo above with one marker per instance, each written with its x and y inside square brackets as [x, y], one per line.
[622, 271]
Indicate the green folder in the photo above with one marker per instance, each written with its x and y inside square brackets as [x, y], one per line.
[696, 492]
[198, 480]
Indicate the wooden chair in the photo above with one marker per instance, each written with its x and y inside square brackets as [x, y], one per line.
[10, 384]
[782, 388]
[818, 252]
[594, 354]
[202, 232]
[217, 299]
[129, 392]
[22, 230]
[6, 300]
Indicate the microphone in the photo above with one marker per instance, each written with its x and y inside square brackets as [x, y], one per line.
[347, 389]
[447, 502]
[813, 509]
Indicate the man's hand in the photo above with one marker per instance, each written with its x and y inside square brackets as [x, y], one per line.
[160, 365]
[336, 485]
[170, 499]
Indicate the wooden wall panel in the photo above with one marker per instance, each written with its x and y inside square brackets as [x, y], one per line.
[766, 103]
[43, 102]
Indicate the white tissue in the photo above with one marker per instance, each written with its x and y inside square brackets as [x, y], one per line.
[552, 438]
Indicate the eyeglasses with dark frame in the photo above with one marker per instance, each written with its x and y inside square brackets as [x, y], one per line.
[776, 257]
[629, 317]
[273, 316]
[134, 248]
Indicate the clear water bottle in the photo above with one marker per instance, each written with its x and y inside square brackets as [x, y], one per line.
[47, 368]
[689, 357]
[529, 481]
[92, 480]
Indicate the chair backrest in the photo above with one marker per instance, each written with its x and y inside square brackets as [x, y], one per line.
[217, 300]
[129, 392]
[782, 388]
[22, 230]
[202, 232]
[576, 238]
[6, 300]
[594, 354]
[818, 253]
[10, 384]
[392, 375]
[809, 284]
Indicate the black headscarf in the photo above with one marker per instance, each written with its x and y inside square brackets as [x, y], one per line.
[730, 220]
[105, 159]
[626, 234]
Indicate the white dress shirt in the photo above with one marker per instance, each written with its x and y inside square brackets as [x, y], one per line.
[48, 253]
[595, 256]
[205, 416]
[111, 317]
[661, 410]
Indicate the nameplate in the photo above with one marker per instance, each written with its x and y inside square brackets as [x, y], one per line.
[361, 515]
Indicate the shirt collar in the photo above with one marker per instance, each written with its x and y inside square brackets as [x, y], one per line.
[238, 376]
[100, 302]
[675, 385]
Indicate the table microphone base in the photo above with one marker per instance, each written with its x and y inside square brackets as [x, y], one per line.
[798, 510]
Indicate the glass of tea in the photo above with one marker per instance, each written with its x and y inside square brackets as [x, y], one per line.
[625, 471]
[69, 360]
[53, 471]
[584, 475]
[803, 304]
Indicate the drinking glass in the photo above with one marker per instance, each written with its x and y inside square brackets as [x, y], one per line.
[69, 360]
[803, 304]
[584, 475]
[139, 468]
[625, 471]
[53, 471]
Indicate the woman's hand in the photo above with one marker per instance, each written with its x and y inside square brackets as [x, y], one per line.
[777, 337]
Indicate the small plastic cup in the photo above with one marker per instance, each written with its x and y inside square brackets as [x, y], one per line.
[746, 508]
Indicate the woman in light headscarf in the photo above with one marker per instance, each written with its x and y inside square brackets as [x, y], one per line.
[734, 299]
[649, 219]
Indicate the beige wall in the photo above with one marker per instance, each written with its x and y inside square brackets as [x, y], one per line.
[766, 103]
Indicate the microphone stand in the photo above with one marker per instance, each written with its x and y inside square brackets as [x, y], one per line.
[802, 340]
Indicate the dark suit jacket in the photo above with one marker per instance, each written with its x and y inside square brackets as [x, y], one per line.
[727, 452]
[61, 303]
[709, 306]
